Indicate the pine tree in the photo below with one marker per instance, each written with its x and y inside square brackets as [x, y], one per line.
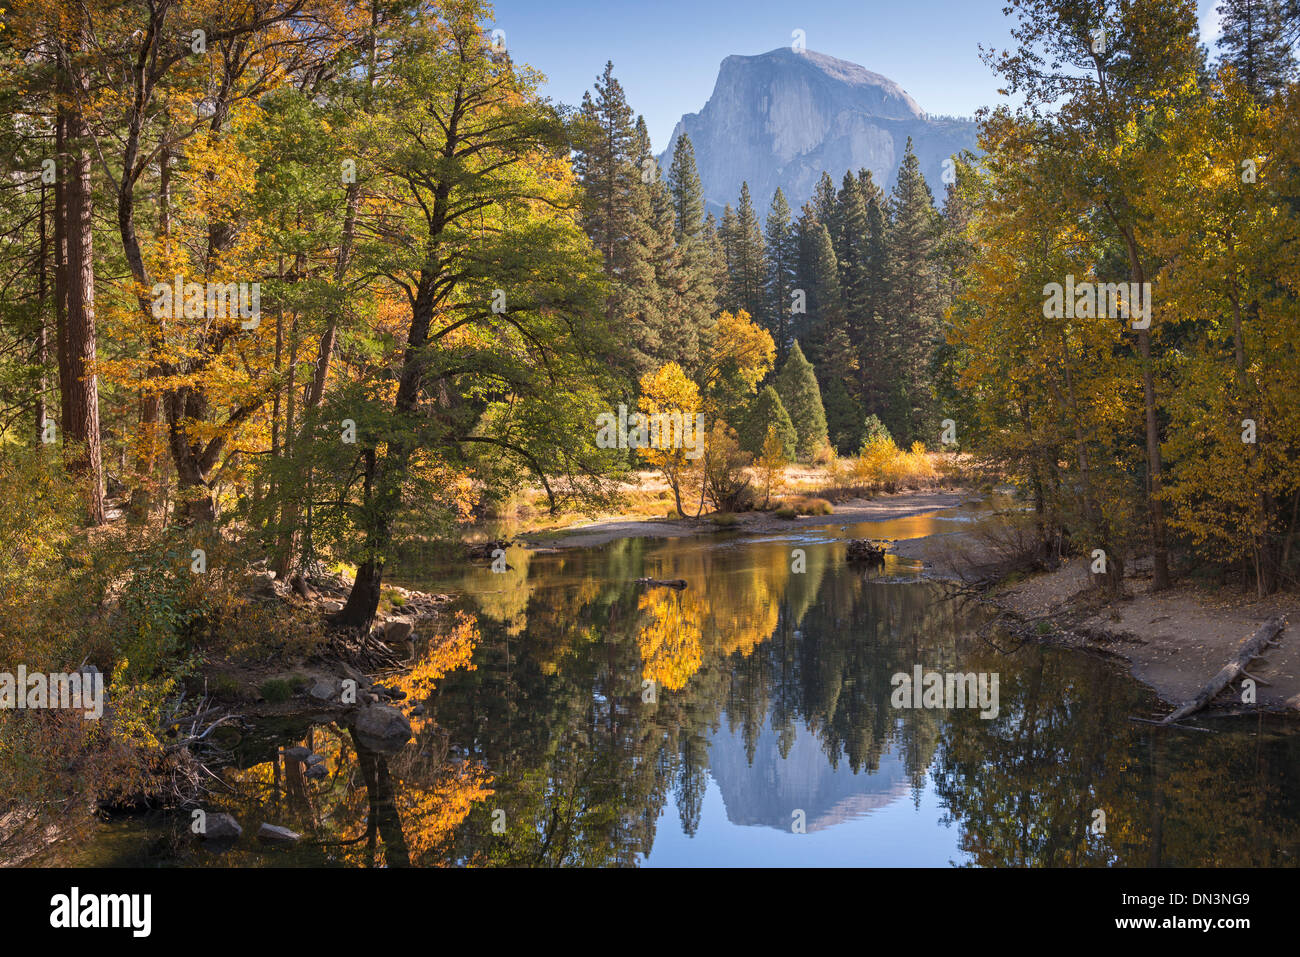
[1256, 41]
[603, 160]
[782, 253]
[869, 332]
[619, 214]
[913, 312]
[692, 296]
[745, 260]
[727, 284]
[765, 412]
[796, 384]
[717, 261]
[824, 201]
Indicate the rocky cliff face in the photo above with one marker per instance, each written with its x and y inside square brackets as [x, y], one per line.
[781, 118]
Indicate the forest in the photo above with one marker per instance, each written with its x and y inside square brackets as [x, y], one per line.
[298, 285]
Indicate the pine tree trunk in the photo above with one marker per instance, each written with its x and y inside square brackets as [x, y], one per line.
[77, 294]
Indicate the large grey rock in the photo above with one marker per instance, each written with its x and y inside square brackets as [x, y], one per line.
[781, 118]
[220, 827]
[324, 690]
[398, 630]
[274, 834]
[382, 729]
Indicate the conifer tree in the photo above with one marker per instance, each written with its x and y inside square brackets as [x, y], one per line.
[782, 253]
[796, 384]
[765, 412]
[745, 260]
[692, 295]
[619, 214]
[913, 307]
[1256, 41]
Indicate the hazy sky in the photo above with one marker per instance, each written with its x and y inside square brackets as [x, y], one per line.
[666, 52]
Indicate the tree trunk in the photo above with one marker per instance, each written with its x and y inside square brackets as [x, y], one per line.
[42, 346]
[77, 293]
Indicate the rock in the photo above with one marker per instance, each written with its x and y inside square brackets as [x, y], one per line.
[865, 550]
[220, 827]
[264, 584]
[382, 728]
[483, 551]
[781, 118]
[331, 606]
[398, 630]
[324, 690]
[296, 753]
[274, 834]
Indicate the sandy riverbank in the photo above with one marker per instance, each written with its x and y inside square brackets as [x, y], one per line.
[881, 508]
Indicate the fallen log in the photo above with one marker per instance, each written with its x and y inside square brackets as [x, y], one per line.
[1250, 649]
[678, 583]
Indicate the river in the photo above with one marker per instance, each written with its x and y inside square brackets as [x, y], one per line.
[747, 720]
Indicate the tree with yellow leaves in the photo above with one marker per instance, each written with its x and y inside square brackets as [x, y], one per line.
[672, 436]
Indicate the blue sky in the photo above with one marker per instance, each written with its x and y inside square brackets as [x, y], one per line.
[666, 52]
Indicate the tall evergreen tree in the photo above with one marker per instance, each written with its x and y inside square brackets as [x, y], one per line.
[692, 295]
[782, 254]
[796, 384]
[717, 261]
[825, 331]
[1256, 40]
[745, 260]
[913, 307]
[728, 284]
[824, 200]
[619, 215]
[869, 330]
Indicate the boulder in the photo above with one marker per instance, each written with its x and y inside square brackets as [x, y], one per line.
[382, 729]
[274, 834]
[220, 827]
[324, 690]
[398, 630]
[865, 550]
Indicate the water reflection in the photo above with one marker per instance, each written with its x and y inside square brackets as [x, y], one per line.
[575, 718]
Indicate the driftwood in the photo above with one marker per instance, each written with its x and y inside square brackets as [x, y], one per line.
[1250, 649]
[678, 583]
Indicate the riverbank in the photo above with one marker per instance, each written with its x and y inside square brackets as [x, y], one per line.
[880, 508]
[1173, 641]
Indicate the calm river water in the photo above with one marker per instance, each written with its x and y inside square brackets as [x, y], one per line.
[748, 721]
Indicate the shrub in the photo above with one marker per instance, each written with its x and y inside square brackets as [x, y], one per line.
[276, 690]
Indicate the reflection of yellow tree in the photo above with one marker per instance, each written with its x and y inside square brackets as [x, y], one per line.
[431, 813]
[452, 649]
[670, 637]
